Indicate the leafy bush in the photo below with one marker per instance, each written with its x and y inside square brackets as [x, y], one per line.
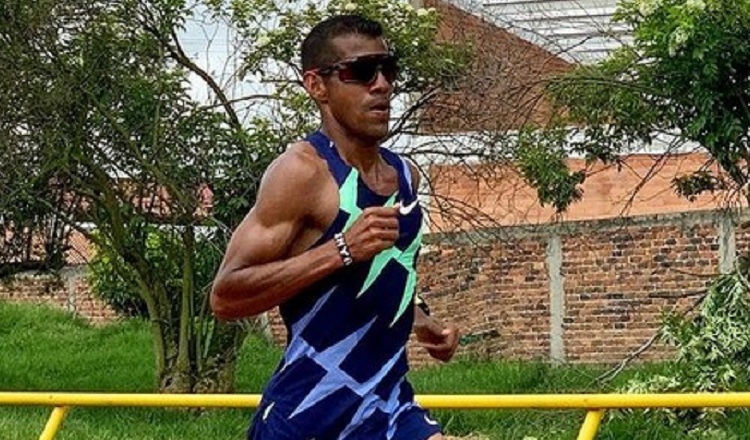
[164, 252]
[713, 350]
[111, 287]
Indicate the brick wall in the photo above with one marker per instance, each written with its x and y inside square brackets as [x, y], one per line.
[619, 280]
[586, 291]
[465, 279]
[616, 278]
[68, 291]
[581, 292]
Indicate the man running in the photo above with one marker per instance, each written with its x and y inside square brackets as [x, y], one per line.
[333, 240]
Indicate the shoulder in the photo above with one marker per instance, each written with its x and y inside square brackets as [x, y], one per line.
[292, 180]
[297, 171]
[300, 163]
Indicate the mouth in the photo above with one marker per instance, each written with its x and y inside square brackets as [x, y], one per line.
[382, 107]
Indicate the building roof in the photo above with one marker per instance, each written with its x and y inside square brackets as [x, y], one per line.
[530, 41]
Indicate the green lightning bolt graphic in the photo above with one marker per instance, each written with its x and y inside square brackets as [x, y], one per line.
[406, 258]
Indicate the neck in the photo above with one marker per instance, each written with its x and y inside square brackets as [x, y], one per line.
[357, 152]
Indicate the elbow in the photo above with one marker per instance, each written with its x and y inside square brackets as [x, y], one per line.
[236, 297]
[229, 303]
[221, 307]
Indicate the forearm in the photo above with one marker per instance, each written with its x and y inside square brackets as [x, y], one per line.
[245, 291]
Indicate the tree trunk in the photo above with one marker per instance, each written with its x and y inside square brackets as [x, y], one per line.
[175, 379]
[182, 377]
[218, 372]
[213, 374]
[218, 378]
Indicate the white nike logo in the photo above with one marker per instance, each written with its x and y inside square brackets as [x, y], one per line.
[429, 420]
[405, 210]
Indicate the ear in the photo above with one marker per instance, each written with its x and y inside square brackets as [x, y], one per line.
[316, 87]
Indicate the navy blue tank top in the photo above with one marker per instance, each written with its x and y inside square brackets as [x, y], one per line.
[345, 361]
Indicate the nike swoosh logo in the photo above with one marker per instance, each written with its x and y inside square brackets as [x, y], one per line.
[406, 210]
[430, 421]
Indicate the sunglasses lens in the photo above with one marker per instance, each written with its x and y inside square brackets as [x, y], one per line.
[389, 67]
[365, 70]
[362, 71]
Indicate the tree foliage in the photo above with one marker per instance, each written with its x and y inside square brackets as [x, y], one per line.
[164, 250]
[685, 74]
[109, 124]
[103, 137]
[713, 351]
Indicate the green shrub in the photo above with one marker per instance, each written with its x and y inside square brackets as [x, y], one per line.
[713, 351]
[164, 253]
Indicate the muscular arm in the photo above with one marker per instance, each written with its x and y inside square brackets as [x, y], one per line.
[258, 272]
[267, 262]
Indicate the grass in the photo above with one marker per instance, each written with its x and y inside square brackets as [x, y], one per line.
[47, 350]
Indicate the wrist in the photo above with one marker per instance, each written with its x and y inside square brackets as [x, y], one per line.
[343, 249]
[421, 319]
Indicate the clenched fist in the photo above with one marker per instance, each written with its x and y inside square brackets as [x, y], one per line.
[374, 231]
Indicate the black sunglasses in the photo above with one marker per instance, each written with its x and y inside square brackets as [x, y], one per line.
[363, 69]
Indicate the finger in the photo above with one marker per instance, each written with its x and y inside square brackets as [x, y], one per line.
[439, 346]
[451, 330]
[382, 211]
[388, 235]
[384, 228]
[441, 355]
[454, 342]
[451, 338]
[384, 223]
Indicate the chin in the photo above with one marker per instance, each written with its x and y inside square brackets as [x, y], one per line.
[371, 132]
[378, 133]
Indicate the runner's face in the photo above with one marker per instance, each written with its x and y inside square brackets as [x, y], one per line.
[358, 87]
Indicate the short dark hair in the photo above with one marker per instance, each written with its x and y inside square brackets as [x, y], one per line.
[317, 49]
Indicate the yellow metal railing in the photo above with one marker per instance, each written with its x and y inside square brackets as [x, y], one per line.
[594, 404]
